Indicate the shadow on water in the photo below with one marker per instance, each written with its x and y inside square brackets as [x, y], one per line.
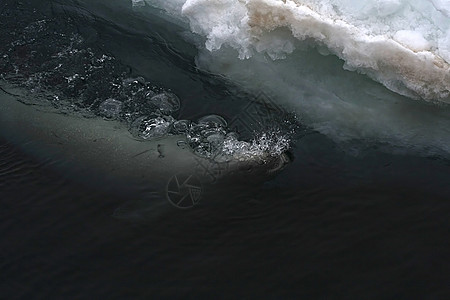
[63, 239]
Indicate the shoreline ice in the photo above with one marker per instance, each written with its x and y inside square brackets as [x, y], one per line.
[405, 45]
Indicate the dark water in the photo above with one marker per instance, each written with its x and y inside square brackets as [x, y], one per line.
[332, 225]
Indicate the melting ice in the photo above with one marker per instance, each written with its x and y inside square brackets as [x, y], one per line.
[403, 45]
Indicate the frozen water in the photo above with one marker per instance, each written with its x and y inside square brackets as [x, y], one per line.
[413, 40]
[151, 127]
[213, 119]
[166, 102]
[110, 108]
[85, 79]
[370, 36]
[181, 127]
[266, 145]
[203, 137]
[443, 6]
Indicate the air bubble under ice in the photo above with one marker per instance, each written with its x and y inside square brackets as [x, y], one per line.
[151, 127]
[85, 78]
[110, 108]
[166, 102]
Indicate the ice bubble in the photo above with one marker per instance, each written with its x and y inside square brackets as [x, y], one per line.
[181, 127]
[110, 108]
[215, 138]
[166, 102]
[151, 127]
[213, 119]
[215, 141]
[206, 139]
[130, 81]
[205, 130]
